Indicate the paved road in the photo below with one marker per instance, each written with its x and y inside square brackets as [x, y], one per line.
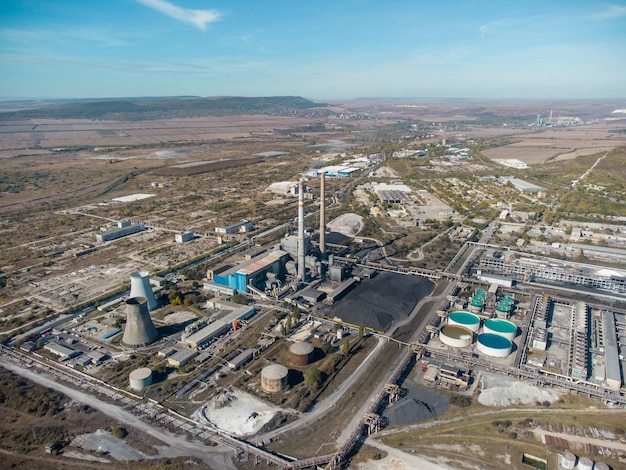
[218, 457]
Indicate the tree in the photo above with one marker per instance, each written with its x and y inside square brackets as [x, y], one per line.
[361, 331]
[312, 377]
[345, 347]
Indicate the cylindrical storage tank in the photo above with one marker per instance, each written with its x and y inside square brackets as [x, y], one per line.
[601, 466]
[300, 353]
[466, 319]
[140, 287]
[585, 464]
[139, 330]
[140, 378]
[568, 461]
[494, 345]
[274, 378]
[456, 336]
[476, 306]
[501, 327]
[339, 334]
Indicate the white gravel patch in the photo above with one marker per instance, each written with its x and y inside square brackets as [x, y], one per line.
[504, 391]
[103, 441]
[236, 412]
[347, 224]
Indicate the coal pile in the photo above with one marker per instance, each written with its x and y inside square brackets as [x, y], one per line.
[377, 303]
[418, 404]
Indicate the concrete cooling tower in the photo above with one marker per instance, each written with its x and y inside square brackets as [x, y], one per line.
[140, 330]
[140, 287]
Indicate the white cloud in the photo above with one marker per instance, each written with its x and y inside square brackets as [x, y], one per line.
[613, 11]
[197, 18]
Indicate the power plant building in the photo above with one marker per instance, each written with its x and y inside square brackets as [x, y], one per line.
[123, 229]
[182, 357]
[253, 272]
[529, 268]
[219, 327]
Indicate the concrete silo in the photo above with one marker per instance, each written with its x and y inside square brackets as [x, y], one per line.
[139, 330]
[140, 287]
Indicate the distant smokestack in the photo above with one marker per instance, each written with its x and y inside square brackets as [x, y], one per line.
[139, 330]
[322, 213]
[140, 287]
[301, 266]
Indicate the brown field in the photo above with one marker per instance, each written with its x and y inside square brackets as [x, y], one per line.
[560, 143]
[17, 136]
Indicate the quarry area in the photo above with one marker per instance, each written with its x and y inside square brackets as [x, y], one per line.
[355, 285]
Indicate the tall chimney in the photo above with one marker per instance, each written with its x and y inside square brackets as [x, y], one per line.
[322, 213]
[301, 266]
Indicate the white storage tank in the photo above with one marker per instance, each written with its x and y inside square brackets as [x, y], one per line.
[501, 327]
[568, 461]
[585, 464]
[140, 378]
[601, 466]
[466, 319]
[494, 345]
[456, 336]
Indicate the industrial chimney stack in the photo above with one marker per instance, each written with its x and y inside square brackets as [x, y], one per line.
[139, 330]
[301, 265]
[322, 213]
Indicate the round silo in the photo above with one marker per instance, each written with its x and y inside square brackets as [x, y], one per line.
[585, 464]
[140, 378]
[274, 378]
[300, 353]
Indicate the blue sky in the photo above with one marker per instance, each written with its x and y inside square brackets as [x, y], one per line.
[338, 49]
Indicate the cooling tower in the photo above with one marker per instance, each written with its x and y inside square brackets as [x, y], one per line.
[140, 330]
[140, 287]
[301, 261]
[322, 213]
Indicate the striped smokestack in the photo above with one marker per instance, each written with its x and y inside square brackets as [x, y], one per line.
[301, 266]
[322, 213]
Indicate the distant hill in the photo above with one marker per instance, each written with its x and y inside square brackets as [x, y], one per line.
[139, 109]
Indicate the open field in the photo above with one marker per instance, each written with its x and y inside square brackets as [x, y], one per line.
[560, 143]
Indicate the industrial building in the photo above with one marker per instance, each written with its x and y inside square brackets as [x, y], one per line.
[529, 268]
[121, 229]
[218, 327]
[63, 352]
[184, 237]
[244, 226]
[523, 186]
[255, 272]
[182, 357]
